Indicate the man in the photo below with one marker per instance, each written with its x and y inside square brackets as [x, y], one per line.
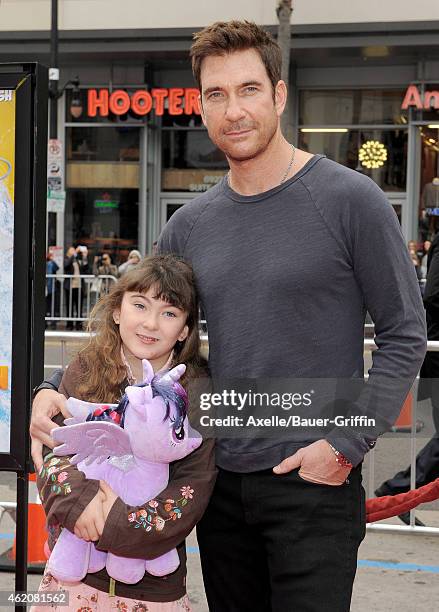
[72, 286]
[288, 251]
[52, 290]
[132, 262]
[102, 266]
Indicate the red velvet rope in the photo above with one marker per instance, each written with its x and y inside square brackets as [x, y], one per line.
[380, 508]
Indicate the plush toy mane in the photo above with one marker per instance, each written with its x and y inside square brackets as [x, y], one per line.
[170, 393]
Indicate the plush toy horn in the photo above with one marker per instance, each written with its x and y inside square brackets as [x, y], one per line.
[174, 374]
[148, 372]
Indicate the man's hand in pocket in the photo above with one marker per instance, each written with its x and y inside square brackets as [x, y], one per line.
[317, 463]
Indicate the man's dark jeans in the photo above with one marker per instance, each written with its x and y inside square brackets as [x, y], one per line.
[273, 543]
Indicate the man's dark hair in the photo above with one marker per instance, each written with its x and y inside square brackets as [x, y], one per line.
[224, 37]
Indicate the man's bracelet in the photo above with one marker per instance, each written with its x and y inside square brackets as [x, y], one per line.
[341, 459]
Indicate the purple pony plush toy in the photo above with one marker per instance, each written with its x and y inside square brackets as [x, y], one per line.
[132, 457]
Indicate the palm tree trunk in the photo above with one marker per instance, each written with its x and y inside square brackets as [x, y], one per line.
[284, 11]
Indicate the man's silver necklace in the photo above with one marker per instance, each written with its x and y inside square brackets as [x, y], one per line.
[287, 171]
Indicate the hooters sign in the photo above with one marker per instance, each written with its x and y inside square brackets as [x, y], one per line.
[178, 100]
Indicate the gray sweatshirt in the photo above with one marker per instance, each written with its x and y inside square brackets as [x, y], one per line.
[285, 278]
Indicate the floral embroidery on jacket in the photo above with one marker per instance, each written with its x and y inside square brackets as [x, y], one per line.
[56, 478]
[149, 518]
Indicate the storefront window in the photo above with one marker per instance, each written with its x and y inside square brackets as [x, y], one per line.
[102, 184]
[103, 220]
[90, 144]
[351, 107]
[190, 161]
[345, 147]
[429, 183]
[176, 121]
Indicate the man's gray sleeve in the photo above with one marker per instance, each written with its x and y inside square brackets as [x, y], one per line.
[53, 382]
[164, 243]
[176, 232]
[388, 282]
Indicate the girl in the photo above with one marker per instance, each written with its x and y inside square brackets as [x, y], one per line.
[151, 313]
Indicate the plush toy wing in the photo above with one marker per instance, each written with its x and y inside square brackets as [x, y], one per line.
[81, 410]
[92, 441]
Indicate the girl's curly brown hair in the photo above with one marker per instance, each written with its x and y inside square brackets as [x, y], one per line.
[104, 373]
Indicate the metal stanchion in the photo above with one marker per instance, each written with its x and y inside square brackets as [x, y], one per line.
[413, 455]
[433, 346]
[371, 478]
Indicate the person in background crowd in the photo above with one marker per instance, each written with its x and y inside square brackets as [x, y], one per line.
[52, 293]
[416, 248]
[412, 247]
[103, 266]
[82, 255]
[427, 245]
[84, 268]
[133, 261]
[72, 287]
[424, 225]
[427, 460]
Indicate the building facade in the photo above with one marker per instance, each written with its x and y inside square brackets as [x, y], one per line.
[364, 90]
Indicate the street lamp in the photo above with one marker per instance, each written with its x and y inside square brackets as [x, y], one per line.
[75, 104]
[54, 94]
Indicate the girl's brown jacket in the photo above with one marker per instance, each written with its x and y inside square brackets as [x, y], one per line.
[130, 531]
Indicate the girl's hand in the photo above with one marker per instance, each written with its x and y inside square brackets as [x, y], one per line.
[47, 404]
[110, 498]
[90, 524]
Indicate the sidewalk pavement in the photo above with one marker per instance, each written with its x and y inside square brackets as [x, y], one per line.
[396, 573]
[381, 589]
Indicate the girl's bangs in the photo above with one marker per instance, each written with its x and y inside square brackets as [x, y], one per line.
[168, 287]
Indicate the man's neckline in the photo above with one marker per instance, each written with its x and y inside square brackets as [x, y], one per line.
[237, 197]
